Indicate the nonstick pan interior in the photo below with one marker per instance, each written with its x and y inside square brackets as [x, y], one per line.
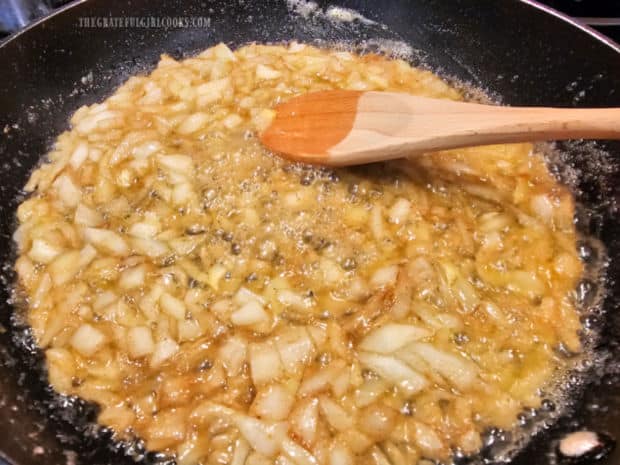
[508, 48]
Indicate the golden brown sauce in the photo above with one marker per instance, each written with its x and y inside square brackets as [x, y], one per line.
[229, 307]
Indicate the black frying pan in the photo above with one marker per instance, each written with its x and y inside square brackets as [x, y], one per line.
[513, 50]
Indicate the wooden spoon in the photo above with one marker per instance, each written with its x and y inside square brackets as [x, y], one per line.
[342, 127]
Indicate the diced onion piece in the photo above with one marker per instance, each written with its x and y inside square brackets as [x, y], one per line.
[242, 449]
[400, 211]
[140, 341]
[298, 454]
[265, 364]
[133, 277]
[64, 267]
[525, 282]
[233, 355]
[543, 207]
[164, 350]
[273, 402]
[377, 421]
[250, 314]
[182, 194]
[263, 119]
[385, 276]
[43, 252]
[144, 230]
[337, 417]
[264, 437]
[266, 72]
[427, 439]
[193, 123]
[67, 191]
[395, 371]
[391, 337]
[370, 391]
[292, 299]
[79, 155]
[61, 368]
[223, 53]
[150, 247]
[332, 273]
[244, 295]
[212, 91]
[172, 306]
[215, 273]
[189, 330]
[320, 380]
[340, 454]
[87, 340]
[377, 226]
[107, 241]
[295, 348]
[86, 216]
[304, 420]
[460, 372]
[232, 121]
[181, 164]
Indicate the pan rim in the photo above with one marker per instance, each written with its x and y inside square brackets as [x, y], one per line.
[598, 36]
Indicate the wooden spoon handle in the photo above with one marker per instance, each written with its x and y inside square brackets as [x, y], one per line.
[389, 125]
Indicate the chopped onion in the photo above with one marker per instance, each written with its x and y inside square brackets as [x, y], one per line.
[543, 207]
[242, 449]
[193, 123]
[189, 330]
[86, 216]
[233, 355]
[337, 417]
[265, 363]
[266, 72]
[250, 314]
[264, 437]
[144, 230]
[385, 276]
[106, 240]
[298, 454]
[391, 337]
[149, 247]
[427, 439]
[212, 91]
[273, 402]
[87, 340]
[244, 295]
[340, 454]
[164, 350]
[67, 191]
[320, 380]
[64, 267]
[79, 155]
[304, 420]
[293, 299]
[377, 420]
[214, 275]
[43, 252]
[295, 347]
[181, 164]
[172, 306]
[460, 372]
[392, 369]
[140, 341]
[399, 211]
[133, 277]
